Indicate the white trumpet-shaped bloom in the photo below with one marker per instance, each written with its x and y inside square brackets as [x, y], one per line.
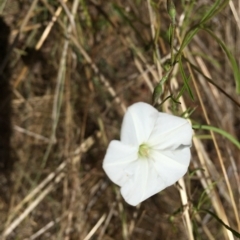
[154, 152]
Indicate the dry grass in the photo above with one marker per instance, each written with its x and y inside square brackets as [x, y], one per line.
[68, 70]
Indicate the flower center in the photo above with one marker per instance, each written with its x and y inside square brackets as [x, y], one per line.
[143, 150]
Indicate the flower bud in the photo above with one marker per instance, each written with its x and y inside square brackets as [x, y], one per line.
[171, 10]
[157, 93]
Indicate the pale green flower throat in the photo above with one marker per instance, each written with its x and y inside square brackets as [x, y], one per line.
[143, 151]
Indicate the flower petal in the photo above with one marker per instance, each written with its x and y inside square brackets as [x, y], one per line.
[179, 155]
[133, 191]
[138, 123]
[171, 166]
[155, 174]
[117, 160]
[170, 132]
[145, 184]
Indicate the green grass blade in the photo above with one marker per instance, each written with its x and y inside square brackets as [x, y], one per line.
[234, 232]
[217, 7]
[220, 131]
[213, 83]
[231, 59]
[186, 80]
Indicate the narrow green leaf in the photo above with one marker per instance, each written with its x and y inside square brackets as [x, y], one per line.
[231, 58]
[186, 80]
[187, 39]
[220, 131]
[213, 83]
[234, 232]
[217, 7]
[192, 173]
[211, 12]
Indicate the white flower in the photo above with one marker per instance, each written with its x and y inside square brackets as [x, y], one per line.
[154, 152]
